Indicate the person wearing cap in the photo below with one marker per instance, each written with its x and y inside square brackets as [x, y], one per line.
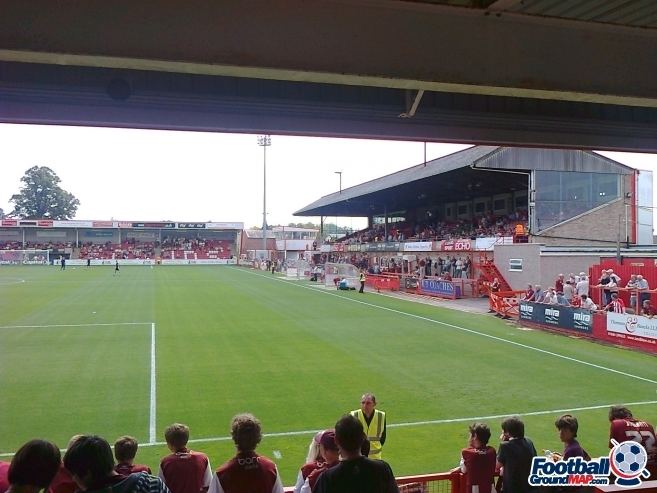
[374, 424]
[314, 459]
[331, 454]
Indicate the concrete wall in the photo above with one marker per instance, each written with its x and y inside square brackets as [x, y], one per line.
[537, 268]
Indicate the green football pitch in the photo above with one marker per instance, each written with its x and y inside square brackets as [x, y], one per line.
[84, 351]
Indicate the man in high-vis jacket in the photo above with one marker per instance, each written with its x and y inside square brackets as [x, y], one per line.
[374, 424]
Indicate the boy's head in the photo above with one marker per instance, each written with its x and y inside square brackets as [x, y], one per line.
[513, 427]
[35, 464]
[89, 459]
[619, 412]
[125, 449]
[349, 434]
[567, 426]
[177, 436]
[481, 433]
[246, 432]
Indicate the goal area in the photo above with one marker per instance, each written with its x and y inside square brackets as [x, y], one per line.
[24, 257]
[297, 269]
[333, 273]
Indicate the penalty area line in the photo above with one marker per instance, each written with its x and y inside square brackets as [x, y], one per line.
[153, 398]
[470, 331]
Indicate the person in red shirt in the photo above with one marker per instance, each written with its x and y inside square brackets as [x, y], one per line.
[647, 310]
[4, 481]
[616, 305]
[625, 427]
[478, 460]
[314, 460]
[247, 472]
[331, 454]
[125, 449]
[184, 471]
[558, 284]
[63, 481]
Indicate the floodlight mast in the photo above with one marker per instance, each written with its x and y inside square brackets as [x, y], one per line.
[264, 141]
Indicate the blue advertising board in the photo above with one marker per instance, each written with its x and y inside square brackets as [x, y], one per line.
[557, 316]
[436, 287]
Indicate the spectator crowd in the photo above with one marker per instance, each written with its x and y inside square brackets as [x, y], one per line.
[337, 460]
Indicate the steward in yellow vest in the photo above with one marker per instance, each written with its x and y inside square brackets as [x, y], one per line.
[374, 424]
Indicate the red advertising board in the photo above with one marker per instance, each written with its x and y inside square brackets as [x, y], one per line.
[456, 245]
[44, 223]
[9, 222]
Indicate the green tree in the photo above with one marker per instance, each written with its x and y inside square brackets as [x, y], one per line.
[41, 196]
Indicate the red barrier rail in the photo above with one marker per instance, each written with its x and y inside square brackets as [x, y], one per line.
[505, 303]
[444, 482]
[382, 282]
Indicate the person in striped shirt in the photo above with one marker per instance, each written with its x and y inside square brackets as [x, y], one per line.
[616, 305]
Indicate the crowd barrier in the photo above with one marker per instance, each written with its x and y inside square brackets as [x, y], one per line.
[505, 303]
[440, 288]
[623, 329]
[138, 261]
[382, 282]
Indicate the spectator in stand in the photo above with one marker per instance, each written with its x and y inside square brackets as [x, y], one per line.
[247, 472]
[603, 282]
[647, 310]
[478, 460]
[633, 284]
[355, 473]
[567, 427]
[550, 297]
[587, 303]
[331, 455]
[561, 300]
[515, 456]
[529, 293]
[184, 471]
[4, 481]
[573, 279]
[582, 286]
[568, 291]
[63, 481]
[125, 450]
[313, 460]
[33, 467]
[616, 305]
[625, 427]
[91, 464]
[642, 285]
[495, 285]
[558, 284]
[539, 294]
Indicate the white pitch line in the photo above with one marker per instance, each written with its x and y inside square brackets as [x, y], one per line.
[69, 325]
[153, 407]
[407, 424]
[471, 331]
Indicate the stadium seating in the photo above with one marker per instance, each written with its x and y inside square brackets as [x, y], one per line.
[195, 249]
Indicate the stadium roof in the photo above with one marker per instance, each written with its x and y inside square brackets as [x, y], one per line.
[479, 171]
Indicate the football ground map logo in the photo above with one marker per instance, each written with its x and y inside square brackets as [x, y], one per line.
[627, 461]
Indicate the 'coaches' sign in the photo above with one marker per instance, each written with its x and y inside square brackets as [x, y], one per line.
[440, 288]
[557, 316]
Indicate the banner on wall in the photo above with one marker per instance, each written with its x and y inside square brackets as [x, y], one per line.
[557, 316]
[440, 288]
[418, 246]
[632, 327]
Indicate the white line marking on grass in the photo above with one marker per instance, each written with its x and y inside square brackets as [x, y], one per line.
[153, 409]
[471, 331]
[418, 423]
[69, 325]
[406, 424]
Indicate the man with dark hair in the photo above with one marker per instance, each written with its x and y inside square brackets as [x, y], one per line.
[355, 474]
[568, 426]
[33, 466]
[125, 450]
[625, 427]
[90, 462]
[478, 460]
[247, 472]
[374, 424]
[515, 456]
[184, 471]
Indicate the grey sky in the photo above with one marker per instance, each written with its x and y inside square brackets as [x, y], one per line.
[191, 176]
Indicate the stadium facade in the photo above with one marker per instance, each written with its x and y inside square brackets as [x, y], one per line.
[549, 204]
